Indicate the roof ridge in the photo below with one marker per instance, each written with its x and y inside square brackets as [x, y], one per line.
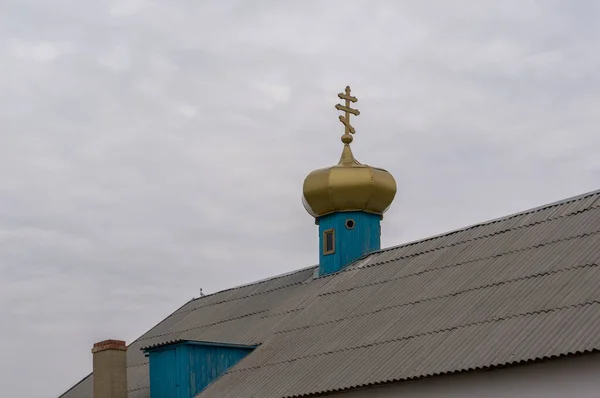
[453, 264]
[75, 385]
[531, 210]
[255, 282]
[491, 221]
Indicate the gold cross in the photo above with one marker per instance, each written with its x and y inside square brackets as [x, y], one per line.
[345, 119]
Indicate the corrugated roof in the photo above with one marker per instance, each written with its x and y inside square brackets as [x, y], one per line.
[519, 288]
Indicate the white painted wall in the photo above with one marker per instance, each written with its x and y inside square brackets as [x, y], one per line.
[567, 377]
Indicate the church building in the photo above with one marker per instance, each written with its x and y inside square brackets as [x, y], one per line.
[504, 308]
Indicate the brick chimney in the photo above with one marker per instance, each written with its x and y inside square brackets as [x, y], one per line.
[110, 369]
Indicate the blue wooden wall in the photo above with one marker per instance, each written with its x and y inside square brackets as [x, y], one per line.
[164, 377]
[350, 244]
[183, 370]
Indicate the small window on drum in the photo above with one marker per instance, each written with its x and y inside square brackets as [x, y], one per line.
[328, 241]
[350, 223]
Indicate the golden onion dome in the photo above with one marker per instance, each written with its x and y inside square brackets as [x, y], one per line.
[349, 185]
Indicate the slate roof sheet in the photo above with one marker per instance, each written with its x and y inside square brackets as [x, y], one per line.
[519, 288]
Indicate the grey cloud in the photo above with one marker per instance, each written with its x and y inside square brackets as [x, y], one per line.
[150, 148]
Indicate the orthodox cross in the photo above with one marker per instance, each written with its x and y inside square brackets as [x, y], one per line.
[345, 119]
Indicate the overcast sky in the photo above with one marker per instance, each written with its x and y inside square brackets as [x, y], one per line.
[149, 148]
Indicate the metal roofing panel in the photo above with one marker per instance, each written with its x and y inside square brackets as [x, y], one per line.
[83, 389]
[528, 219]
[514, 289]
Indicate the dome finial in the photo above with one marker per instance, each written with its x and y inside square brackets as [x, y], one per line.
[348, 186]
[345, 119]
